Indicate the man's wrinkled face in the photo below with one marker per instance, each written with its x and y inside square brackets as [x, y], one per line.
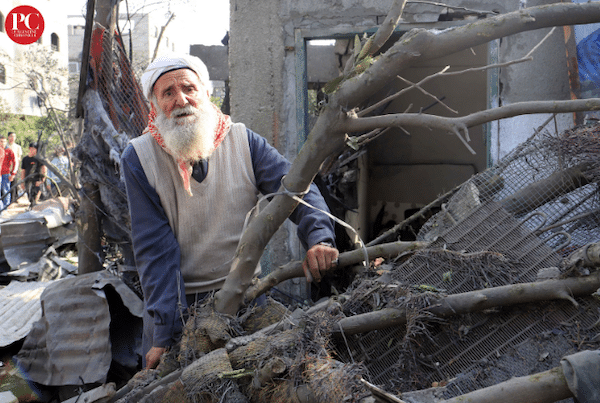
[177, 89]
[3, 143]
[185, 117]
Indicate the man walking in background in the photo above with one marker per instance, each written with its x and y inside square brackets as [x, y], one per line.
[33, 174]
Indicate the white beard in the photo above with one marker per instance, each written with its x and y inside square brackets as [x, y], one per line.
[192, 137]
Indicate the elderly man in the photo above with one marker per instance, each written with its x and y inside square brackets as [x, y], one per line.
[191, 178]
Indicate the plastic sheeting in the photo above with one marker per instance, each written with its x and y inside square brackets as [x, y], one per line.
[582, 372]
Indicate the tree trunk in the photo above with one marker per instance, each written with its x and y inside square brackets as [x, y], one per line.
[89, 247]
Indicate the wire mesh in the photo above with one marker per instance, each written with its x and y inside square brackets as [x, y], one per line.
[548, 182]
[115, 111]
[504, 225]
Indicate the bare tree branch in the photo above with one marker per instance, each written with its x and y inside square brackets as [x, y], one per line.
[328, 134]
[420, 44]
[435, 3]
[427, 93]
[547, 386]
[459, 125]
[444, 73]
[387, 27]
[160, 35]
[294, 269]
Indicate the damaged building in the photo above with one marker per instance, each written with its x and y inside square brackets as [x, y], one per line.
[461, 225]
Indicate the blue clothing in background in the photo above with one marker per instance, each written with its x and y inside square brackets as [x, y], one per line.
[588, 58]
[5, 190]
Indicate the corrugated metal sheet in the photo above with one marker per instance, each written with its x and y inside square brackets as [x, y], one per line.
[71, 344]
[19, 308]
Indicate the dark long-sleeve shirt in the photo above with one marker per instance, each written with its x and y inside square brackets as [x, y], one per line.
[157, 251]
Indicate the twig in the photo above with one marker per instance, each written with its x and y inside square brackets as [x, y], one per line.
[417, 86]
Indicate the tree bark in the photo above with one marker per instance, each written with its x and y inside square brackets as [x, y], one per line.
[89, 248]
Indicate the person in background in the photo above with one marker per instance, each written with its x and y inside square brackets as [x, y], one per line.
[7, 171]
[18, 152]
[61, 162]
[33, 174]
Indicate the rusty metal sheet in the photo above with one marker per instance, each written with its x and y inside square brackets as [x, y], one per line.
[71, 343]
[20, 308]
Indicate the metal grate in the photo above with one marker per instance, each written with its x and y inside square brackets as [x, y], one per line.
[535, 207]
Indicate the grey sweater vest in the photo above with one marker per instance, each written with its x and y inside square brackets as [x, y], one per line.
[207, 225]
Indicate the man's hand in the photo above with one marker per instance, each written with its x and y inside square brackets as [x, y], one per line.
[153, 357]
[319, 259]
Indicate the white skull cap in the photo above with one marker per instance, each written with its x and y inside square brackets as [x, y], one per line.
[169, 62]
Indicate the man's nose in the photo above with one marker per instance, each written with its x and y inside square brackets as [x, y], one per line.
[181, 99]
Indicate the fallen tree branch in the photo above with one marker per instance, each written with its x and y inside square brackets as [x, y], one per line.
[543, 387]
[457, 304]
[420, 45]
[541, 192]
[386, 29]
[294, 269]
[328, 134]
[460, 125]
